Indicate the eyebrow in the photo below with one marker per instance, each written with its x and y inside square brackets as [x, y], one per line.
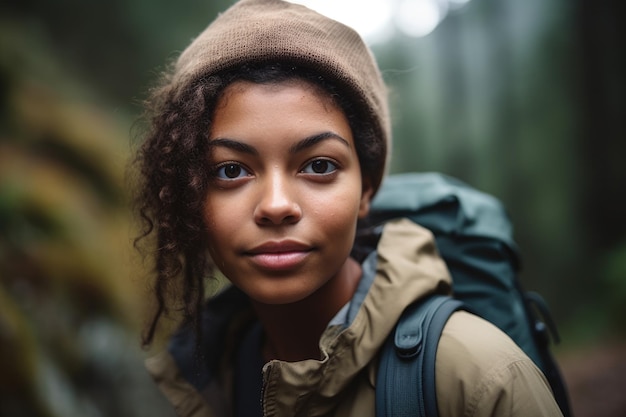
[234, 145]
[314, 140]
[301, 145]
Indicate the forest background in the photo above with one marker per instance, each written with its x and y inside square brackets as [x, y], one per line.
[524, 99]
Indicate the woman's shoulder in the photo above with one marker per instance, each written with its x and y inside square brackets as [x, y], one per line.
[477, 342]
[482, 372]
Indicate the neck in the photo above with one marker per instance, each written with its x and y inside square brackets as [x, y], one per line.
[293, 331]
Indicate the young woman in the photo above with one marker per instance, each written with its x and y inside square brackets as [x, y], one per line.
[268, 140]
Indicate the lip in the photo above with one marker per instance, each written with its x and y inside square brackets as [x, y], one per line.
[279, 255]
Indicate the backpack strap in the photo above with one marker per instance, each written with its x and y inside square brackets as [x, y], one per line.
[405, 384]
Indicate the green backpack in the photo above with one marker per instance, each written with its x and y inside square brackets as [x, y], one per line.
[474, 237]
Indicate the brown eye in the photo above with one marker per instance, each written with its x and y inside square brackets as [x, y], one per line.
[320, 166]
[230, 171]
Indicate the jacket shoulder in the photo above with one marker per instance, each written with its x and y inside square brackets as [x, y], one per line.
[481, 372]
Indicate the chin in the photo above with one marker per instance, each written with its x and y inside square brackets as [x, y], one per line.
[278, 297]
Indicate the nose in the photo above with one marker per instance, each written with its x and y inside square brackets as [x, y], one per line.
[277, 203]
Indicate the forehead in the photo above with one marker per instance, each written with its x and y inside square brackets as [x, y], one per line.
[292, 102]
[287, 109]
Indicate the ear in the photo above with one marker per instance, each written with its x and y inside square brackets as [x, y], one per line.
[366, 198]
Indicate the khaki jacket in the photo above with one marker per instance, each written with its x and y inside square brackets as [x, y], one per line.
[480, 371]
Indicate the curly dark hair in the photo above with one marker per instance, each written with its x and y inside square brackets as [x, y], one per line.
[171, 165]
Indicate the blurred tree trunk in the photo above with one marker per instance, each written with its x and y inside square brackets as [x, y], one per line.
[603, 137]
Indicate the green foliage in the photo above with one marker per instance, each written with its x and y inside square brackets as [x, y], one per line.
[68, 303]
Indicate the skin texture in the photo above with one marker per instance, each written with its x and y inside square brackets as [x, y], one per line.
[284, 196]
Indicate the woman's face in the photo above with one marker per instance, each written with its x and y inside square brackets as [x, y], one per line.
[285, 190]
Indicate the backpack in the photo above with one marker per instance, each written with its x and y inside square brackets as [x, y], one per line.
[474, 237]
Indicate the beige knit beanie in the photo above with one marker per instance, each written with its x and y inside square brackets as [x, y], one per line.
[270, 30]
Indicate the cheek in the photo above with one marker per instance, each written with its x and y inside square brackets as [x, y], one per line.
[340, 217]
[209, 219]
[218, 223]
[218, 228]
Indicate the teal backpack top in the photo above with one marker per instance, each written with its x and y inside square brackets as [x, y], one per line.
[474, 237]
